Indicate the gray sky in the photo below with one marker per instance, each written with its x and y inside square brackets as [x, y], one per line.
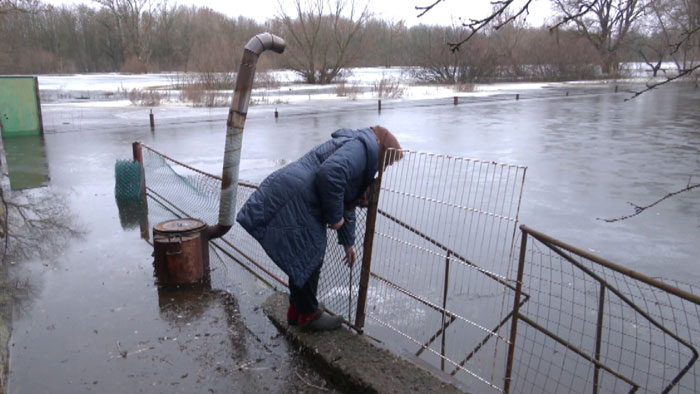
[444, 13]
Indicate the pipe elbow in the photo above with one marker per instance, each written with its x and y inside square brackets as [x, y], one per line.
[265, 41]
[217, 231]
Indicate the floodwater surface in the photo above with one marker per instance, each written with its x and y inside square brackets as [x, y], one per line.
[95, 321]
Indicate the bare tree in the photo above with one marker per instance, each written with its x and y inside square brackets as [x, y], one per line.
[133, 22]
[9, 6]
[606, 24]
[324, 37]
[437, 64]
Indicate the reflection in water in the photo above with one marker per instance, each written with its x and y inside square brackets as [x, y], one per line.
[39, 224]
[26, 161]
[133, 213]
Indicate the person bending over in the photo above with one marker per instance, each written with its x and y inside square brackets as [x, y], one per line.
[289, 212]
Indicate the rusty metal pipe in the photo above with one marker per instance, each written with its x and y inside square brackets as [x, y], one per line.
[234, 128]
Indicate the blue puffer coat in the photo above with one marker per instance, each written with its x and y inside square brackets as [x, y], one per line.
[289, 213]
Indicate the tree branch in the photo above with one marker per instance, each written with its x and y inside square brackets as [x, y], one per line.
[477, 25]
[583, 9]
[681, 74]
[684, 37]
[639, 209]
[424, 10]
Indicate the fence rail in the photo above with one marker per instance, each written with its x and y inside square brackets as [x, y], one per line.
[632, 332]
[443, 280]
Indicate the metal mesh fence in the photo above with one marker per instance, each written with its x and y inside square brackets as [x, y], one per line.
[442, 246]
[586, 327]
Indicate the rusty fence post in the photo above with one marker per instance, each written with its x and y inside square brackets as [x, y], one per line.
[138, 157]
[444, 308]
[516, 312]
[598, 337]
[367, 250]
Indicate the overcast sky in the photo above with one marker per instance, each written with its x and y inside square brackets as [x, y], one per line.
[443, 14]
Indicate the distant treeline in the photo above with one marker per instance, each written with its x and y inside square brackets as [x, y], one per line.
[137, 36]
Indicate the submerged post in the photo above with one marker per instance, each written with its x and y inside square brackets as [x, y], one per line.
[153, 123]
[137, 151]
[598, 337]
[138, 157]
[516, 313]
[445, 287]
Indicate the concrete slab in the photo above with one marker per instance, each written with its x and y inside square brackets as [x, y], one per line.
[351, 362]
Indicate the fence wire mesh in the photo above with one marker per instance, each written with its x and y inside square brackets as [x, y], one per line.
[443, 238]
[579, 310]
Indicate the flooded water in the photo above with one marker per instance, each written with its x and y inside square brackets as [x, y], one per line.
[588, 154]
[96, 322]
[26, 161]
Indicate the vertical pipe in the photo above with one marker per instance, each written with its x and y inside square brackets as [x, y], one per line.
[234, 128]
[517, 96]
[152, 120]
[598, 336]
[367, 249]
[379, 105]
[277, 114]
[516, 312]
[455, 100]
[444, 308]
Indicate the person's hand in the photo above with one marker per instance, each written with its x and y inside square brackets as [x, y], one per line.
[338, 225]
[350, 256]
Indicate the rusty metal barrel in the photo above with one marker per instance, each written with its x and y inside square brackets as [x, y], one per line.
[181, 251]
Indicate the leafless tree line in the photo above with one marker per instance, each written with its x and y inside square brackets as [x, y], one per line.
[589, 38]
[657, 31]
